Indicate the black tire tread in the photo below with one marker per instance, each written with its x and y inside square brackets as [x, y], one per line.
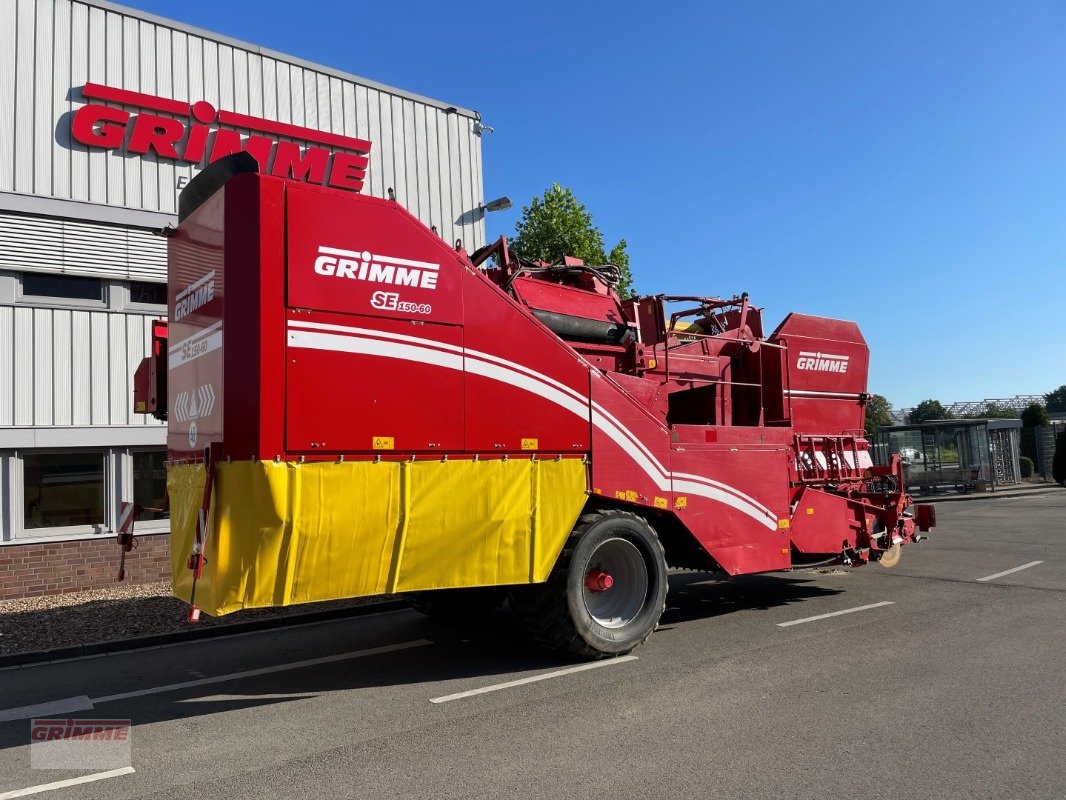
[542, 609]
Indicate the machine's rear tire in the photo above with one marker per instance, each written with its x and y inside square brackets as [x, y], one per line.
[459, 606]
[580, 611]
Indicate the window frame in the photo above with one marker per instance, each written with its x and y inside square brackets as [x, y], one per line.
[125, 487]
[51, 532]
[118, 486]
[121, 299]
[50, 301]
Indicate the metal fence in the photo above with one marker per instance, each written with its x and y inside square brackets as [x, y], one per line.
[1038, 444]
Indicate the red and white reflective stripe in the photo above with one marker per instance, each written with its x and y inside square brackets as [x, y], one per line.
[126, 517]
[340, 338]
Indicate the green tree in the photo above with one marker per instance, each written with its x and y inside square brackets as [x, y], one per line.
[1034, 415]
[996, 411]
[927, 410]
[1056, 400]
[558, 225]
[878, 413]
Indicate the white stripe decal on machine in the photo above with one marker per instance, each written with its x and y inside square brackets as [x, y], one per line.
[324, 336]
[199, 344]
[831, 395]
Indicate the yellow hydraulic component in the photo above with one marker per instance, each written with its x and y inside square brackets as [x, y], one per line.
[285, 533]
[681, 327]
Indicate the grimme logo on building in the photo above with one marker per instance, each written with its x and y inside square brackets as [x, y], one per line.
[821, 362]
[193, 133]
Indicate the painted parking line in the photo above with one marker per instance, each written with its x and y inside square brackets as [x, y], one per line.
[84, 703]
[995, 575]
[225, 637]
[834, 614]
[535, 678]
[48, 787]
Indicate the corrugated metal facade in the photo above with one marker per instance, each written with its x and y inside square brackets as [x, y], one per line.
[70, 366]
[66, 366]
[50, 244]
[49, 49]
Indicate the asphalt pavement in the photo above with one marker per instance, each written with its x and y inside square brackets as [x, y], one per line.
[941, 678]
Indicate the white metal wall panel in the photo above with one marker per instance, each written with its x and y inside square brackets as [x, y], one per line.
[99, 359]
[120, 397]
[70, 366]
[43, 126]
[43, 396]
[81, 358]
[24, 24]
[7, 364]
[7, 93]
[47, 244]
[23, 381]
[62, 367]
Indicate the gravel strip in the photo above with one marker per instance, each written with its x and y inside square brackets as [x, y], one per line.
[124, 611]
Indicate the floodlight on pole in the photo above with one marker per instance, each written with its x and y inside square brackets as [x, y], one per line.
[499, 204]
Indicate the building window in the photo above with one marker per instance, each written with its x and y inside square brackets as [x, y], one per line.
[56, 493]
[40, 286]
[148, 294]
[149, 484]
[63, 489]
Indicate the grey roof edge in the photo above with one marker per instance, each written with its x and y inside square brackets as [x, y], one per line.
[990, 422]
[19, 203]
[275, 54]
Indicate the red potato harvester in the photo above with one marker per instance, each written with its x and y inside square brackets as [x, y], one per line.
[357, 408]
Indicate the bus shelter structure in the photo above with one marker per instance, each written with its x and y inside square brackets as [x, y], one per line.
[959, 454]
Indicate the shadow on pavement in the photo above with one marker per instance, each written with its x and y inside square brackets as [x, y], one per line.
[493, 651]
[697, 595]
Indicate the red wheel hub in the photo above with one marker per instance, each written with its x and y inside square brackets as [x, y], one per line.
[596, 580]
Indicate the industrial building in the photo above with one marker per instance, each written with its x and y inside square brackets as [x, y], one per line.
[107, 113]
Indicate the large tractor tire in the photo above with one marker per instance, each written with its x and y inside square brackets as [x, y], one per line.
[607, 590]
[459, 606]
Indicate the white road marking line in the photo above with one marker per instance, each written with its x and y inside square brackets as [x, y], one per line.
[835, 613]
[47, 787]
[52, 708]
[1009, 571]
[252, 673]
[534, 679]
[88, 703]
[207, 640]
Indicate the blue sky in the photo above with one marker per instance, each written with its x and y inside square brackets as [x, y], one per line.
[901, 164]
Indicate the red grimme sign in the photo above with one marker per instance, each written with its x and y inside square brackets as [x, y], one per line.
[198, 136]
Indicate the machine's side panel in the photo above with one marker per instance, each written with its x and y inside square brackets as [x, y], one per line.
[734, 500]
[630, 449]
[525, 389]
[360, 255]
[827, 368]
[361, 384]
[373, 332]
[195, 304]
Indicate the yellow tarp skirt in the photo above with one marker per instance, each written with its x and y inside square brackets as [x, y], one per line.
[284, 533]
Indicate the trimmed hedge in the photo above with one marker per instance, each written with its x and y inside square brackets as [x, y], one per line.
[1028, 467]
[1058, 465]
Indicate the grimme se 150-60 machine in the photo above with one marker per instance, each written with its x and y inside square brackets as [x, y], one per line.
[357, 408]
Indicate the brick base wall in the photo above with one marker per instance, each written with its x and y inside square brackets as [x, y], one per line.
[29, 570]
